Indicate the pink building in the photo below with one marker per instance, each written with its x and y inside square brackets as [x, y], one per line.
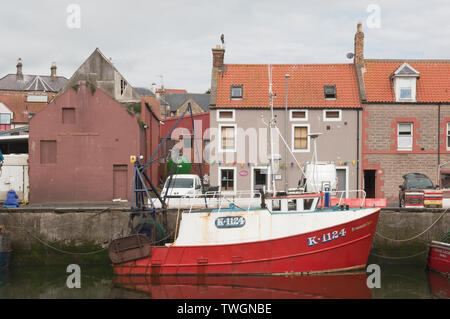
[81, 143]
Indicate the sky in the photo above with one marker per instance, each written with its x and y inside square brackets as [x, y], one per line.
[169, 42]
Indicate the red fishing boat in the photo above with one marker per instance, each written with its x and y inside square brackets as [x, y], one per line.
[286, 234]
[439, 257]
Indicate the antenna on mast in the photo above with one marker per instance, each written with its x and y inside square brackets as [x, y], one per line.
[271, 124]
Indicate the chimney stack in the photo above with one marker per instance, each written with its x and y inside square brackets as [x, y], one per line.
[53, 70]
[359, 46]
[218, 66]
[19, 73]
[218, 54]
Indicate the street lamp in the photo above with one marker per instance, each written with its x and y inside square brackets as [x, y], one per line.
[286, 76]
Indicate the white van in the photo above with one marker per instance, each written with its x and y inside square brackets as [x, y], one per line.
[182, 185]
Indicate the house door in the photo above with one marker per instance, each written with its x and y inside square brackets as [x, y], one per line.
[259, 178]
[369, 183]
[120, 181]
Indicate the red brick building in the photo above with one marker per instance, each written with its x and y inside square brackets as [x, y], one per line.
[81, 143]
[24, 95]
[406, 120]
[182, 138]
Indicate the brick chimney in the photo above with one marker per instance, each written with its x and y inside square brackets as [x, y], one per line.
[358, 62]
[359, 46]
[19, 73]
[218, 66]
[218, 54]
[53, 70]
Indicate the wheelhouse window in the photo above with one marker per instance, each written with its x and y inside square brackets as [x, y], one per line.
[405, 136]
[236, 91]
[227, 137]
[227, 179]
[300, 138]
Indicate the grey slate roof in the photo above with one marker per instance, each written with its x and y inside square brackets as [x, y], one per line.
[45, 83]
[176, 100]
[144, 91]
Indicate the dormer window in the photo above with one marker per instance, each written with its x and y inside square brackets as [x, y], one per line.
[404, 79]
[236, 91]
[330, 91]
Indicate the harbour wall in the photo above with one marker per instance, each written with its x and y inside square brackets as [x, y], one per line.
[81, 235]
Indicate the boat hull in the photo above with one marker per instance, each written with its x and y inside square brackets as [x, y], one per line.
[340, 247]
[439, 257]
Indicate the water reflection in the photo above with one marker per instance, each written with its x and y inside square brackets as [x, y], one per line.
[346, 286]
[98, 282]
[439, 285]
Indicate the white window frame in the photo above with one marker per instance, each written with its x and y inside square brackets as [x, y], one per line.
[232, 119]
[405, 83]
[220, 138]
[412, 136]
[10, 118]
[219, 175]
[236, 97]
[447, 135]
[37, 98]
[325, 119]
[298, 119]
[294, 150]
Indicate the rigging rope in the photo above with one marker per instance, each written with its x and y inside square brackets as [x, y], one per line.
[414, 237]
[403, 257]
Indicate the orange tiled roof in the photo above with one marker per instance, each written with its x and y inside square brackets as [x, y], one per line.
[305, 85]
[167, 91]
[17, 103]
[433, 84]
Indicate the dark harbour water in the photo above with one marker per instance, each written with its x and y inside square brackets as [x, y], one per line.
[398, 281]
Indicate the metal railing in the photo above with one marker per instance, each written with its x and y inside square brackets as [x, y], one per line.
[357, 191]
[221, 200]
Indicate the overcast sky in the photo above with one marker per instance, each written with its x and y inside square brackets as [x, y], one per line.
[147, 39]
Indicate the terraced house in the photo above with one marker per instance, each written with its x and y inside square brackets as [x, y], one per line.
[406, 120]
[308, 98]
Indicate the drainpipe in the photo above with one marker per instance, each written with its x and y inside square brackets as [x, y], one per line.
[357, 149]
[439, 146]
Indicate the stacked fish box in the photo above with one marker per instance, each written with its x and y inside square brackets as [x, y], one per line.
[432, 198]
[414, 199]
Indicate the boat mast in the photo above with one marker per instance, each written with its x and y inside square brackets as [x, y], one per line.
[271, 124]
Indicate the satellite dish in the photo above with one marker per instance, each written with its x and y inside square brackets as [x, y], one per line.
[350, 55]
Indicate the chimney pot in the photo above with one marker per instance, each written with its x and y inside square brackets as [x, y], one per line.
[359, 27]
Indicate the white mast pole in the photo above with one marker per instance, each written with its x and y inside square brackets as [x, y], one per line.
[271, 123]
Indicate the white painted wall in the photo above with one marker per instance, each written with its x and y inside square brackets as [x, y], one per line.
[14, 176]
